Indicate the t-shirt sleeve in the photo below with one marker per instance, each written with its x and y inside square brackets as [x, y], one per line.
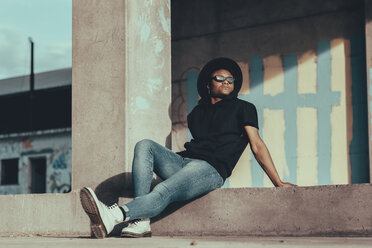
[249, 116]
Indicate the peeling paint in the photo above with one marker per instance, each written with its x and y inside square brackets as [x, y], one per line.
[142, 103]
[148, 3]
[165, 22]
[159, 46]
[161, 65]
[144, 27]
[154, 84]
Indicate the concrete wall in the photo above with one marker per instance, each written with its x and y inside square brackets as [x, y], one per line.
[55, 147]
[303, 67]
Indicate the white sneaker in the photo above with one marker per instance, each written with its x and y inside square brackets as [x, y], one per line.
[137, 229]
[103, 218]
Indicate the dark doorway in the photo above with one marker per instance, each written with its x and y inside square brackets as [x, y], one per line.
[38, 175]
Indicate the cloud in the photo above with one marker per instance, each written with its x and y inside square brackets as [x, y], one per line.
[53, 56]
[15, 54]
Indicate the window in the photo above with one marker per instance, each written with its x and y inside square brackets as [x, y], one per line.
[9, 171]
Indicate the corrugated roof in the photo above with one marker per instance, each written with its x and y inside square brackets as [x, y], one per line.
[43, 80]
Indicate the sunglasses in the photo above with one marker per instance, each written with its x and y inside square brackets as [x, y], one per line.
[221, 79]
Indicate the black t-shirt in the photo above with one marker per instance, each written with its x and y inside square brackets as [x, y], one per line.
[218, 132]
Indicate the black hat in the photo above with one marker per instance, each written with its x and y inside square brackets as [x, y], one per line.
[215, 64]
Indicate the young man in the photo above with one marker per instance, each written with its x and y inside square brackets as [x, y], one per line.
[221, 125]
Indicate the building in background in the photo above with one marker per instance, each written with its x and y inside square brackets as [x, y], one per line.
[35, 134]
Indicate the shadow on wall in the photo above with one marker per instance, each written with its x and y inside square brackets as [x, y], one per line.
[121, 186]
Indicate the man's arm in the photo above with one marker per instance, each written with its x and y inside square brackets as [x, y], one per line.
[263, 157]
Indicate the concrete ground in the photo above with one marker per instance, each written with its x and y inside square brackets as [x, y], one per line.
[178, 242]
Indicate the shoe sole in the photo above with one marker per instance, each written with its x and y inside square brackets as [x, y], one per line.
[136, 235]
[90, 207]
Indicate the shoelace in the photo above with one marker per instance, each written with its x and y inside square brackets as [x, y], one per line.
[112, 206]
[134, 222]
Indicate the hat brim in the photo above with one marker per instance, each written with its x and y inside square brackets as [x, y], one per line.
[216, 64]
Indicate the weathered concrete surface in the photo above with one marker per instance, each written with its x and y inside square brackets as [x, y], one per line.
[98, 91]
[178, 242]
[47, 214]
[323, 210]
[343, 210]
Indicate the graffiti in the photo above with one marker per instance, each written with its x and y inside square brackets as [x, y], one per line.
[10, 148]
[57, 184]
[27, 144]
[58, 153]
[60, 162]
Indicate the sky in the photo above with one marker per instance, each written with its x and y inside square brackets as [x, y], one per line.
[48, 23]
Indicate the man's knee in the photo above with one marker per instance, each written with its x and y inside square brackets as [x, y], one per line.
[144, 145]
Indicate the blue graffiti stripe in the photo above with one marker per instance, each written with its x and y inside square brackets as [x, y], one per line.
[290, 135]
[359, 159]
[324, 111]
[256, 88]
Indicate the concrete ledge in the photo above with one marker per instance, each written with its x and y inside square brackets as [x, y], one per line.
[302, 211]
[42, 214]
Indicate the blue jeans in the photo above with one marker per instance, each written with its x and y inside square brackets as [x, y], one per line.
[184, 179]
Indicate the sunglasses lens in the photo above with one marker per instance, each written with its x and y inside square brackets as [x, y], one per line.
[230, 80]
[220, 79]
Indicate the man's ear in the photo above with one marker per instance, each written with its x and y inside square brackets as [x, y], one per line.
[208, 85]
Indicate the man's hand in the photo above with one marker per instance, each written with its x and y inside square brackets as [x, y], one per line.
[286, 184]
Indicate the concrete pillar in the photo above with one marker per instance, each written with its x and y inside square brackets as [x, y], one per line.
[121, 86]
[368, 30]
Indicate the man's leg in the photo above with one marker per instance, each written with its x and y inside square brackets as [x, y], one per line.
[150, 157]
[196, 178]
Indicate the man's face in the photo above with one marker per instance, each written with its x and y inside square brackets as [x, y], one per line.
[220, 89]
